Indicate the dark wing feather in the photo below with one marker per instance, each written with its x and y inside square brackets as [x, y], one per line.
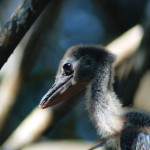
[135, 141]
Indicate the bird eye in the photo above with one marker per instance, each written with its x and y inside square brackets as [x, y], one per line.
[88, 62]
[67, 68]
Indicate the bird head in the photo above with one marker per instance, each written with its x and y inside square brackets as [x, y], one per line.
[76, 70]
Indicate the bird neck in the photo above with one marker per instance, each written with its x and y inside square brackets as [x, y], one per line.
[105, 109]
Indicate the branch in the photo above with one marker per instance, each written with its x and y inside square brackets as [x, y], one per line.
[18, 25]
[126, 44]
[11, 85]
[141, 64]
[60, 111]
[30, 129]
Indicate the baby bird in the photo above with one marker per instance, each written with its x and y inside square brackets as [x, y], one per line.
[91, 67]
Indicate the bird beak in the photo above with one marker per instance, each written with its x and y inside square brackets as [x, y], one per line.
[62, 89]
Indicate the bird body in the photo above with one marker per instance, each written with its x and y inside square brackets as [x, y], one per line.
[91, 67]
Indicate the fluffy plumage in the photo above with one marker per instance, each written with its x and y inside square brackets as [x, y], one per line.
[91, 67]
